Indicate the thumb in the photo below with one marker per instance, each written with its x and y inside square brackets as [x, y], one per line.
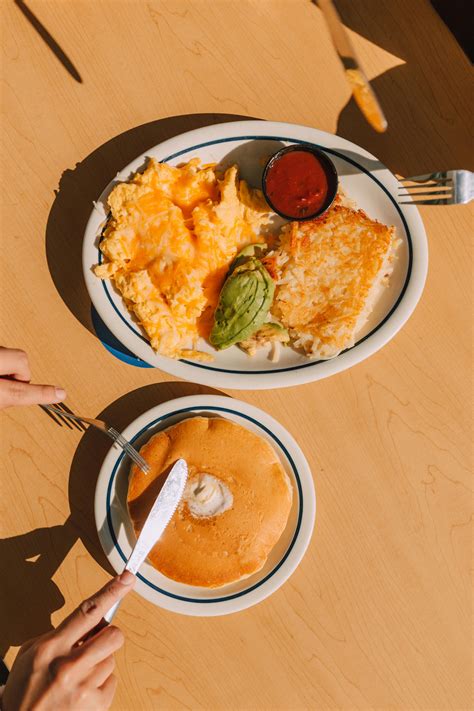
[15, 392]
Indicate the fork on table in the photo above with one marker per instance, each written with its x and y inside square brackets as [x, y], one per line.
[61, 414]
[448, 187]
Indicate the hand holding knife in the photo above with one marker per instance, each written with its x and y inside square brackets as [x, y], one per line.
[157, 520]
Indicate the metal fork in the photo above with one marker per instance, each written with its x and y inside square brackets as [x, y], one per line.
[64, 414]
[448, 187]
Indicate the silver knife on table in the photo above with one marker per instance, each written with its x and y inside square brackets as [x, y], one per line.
[157, 520]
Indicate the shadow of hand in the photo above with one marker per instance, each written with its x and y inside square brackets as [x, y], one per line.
[27, 593]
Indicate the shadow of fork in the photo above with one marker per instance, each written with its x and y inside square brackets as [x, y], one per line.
[60, 420]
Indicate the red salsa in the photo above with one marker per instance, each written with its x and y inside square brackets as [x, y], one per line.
[296, 184]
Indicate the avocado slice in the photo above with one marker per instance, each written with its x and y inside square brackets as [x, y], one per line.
[243, 305]
[256, 250]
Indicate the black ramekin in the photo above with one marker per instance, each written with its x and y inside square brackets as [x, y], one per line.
[328, 167]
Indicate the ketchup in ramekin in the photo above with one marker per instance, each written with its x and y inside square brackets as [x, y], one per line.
[300, 182]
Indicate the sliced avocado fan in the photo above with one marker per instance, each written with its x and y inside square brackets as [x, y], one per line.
[256, 250]
[243, 305]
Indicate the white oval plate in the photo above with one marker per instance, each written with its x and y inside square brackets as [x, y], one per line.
[117, 536]
[248, 143]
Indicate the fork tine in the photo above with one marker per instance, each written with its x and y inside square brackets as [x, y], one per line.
[129, 449]
[428, 183]
[55, 417]
[442, 175]
[430, 193]
[426, 186]
[78, 425]
[133, 454]
[136, 457]
[425, 202]
[433, 181]
[417, 193]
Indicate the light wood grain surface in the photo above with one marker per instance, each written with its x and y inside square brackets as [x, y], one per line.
[379, 613]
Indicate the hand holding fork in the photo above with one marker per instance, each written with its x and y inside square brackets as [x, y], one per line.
[15, 386]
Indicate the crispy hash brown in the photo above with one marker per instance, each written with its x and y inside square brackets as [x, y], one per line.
[329, 272]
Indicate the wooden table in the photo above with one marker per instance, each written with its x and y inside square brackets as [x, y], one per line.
[378, 614]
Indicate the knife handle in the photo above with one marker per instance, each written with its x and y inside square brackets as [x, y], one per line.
[366, 100]
[110, 614]
[363, 93]
[95, 630]
[105, 622]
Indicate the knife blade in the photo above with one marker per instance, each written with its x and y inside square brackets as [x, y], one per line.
[362, 91]
[157, 520]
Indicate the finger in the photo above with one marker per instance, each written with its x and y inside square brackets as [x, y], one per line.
[14, 392]
[65, 671]
[14, 362]
[101, 672]
[29, 643]
[90, 612]
[40, 640]
[99, 647]
[107, 691]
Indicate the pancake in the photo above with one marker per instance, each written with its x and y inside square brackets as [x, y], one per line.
[235, 507]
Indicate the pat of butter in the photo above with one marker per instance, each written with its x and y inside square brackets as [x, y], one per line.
[207, 496]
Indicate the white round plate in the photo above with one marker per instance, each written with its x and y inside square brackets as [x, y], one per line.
[116, 533]
[248, 143]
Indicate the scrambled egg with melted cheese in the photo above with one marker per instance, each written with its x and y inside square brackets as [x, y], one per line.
[170, 238]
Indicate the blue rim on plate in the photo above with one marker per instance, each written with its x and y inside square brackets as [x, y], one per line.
[314, 362]
[112, 344]
[204, 408]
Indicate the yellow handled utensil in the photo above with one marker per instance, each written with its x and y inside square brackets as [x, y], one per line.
[363, 93]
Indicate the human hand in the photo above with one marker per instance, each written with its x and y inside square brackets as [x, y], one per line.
[59, 670]
[15, 386]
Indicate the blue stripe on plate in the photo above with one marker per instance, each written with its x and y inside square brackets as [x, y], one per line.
[203, 408]
[311, 364]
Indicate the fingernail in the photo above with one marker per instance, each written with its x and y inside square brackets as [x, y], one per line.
[60, 393]
[126, 578]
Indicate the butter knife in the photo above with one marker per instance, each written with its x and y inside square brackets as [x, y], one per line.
[157, 520]
[362, 92]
